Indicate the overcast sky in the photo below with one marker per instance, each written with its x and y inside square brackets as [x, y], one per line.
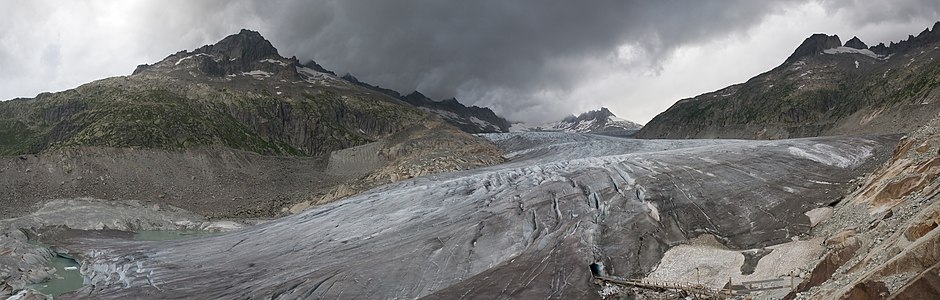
[528, 60]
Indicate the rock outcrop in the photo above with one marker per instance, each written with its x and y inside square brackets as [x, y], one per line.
[813, 45]
[856, 43]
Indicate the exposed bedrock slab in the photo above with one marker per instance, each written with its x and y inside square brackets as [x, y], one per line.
[528, 228]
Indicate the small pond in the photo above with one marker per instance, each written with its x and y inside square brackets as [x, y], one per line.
[66, 278]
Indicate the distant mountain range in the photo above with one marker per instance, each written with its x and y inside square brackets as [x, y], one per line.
[600, 121]
[824, 88]
[473, 119]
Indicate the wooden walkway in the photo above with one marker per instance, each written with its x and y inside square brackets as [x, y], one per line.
[690, 289]
[697, 290]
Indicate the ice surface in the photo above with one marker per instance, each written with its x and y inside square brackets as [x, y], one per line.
[829, 155]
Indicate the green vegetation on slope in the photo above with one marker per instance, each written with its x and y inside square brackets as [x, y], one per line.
[148, 113]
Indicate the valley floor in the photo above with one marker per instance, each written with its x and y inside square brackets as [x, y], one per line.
[527, 228]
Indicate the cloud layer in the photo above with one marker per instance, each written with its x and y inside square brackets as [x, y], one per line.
[529, 60]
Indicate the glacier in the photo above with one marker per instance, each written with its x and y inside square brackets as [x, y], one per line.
[528, 228]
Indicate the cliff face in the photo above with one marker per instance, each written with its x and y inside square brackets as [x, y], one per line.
[822, 89]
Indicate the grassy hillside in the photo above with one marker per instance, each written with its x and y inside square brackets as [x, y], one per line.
[154, 112]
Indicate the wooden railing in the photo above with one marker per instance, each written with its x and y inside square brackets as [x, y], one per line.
[686, 287]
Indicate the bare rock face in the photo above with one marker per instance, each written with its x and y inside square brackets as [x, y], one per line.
[247, 46]
[815, 44]
[868, 290]
[856, 43]
[925, 286]
[21, 262]
[843, 247]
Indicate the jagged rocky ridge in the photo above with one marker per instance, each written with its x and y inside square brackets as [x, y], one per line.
[472, 119]
[600, 121]
[823, 88]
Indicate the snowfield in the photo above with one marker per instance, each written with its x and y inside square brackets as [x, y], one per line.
[525, 229]
[844, 50]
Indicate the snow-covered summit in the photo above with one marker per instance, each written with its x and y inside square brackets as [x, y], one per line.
[600, 121]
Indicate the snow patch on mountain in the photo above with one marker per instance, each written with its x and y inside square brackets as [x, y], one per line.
[845, 50]
[274, 61]
[178, 62]
[317, 77]
[258, 73]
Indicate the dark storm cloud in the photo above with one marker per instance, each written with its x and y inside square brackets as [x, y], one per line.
[529, 60]
[511, 55]
[864, 12]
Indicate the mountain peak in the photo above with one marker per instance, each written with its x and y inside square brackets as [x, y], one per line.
[815, 44]
[417, 97]
[856, 43]
[600, 121]
[245, 51]
[600, 115]
[246, 45]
